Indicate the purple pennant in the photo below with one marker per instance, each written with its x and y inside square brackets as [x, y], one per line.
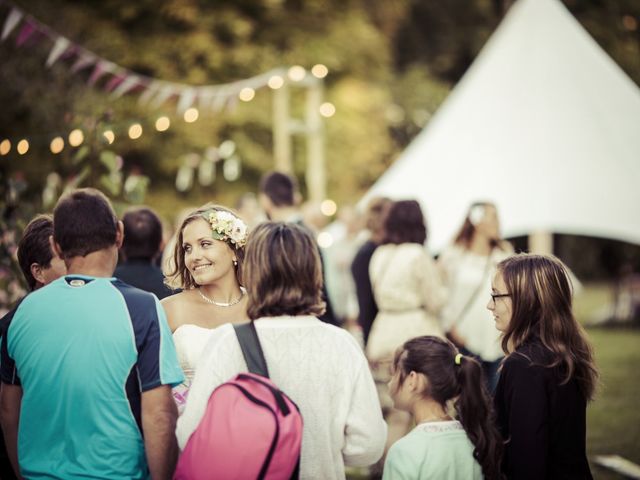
[99, 70]
[25, 32]
[115, 81]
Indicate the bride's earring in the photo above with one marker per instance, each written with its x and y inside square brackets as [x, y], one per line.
[235, 263]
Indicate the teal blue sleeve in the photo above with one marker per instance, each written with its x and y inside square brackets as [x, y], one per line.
[170, 371]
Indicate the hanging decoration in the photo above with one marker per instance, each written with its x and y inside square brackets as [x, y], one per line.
[120, 81]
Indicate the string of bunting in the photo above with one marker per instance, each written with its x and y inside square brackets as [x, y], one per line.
[120, 81]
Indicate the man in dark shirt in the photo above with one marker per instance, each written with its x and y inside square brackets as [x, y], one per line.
[279, 198]
[142, 240]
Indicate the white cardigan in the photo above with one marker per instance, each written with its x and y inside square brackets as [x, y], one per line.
[323, 370]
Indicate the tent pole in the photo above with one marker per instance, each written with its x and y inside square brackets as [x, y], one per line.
[541, 242]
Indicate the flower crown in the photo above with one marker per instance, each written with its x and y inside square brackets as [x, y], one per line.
[227, 227]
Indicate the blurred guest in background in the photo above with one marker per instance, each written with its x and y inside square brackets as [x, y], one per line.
[140, 248]
[279, 198]
[467, 267]
[374, 223]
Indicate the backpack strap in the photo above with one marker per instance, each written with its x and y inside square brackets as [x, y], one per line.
[251, 349]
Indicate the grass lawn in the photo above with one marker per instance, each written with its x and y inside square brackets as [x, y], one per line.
[613, 420]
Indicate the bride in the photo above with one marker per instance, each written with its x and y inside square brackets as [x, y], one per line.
[206, 265]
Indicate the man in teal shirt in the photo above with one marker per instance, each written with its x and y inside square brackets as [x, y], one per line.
[88, 363]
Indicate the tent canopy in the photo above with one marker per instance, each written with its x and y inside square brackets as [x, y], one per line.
[543, 123]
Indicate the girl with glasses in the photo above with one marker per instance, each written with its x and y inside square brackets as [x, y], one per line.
[548, 375]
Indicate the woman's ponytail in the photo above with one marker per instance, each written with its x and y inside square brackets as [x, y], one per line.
[475, 413]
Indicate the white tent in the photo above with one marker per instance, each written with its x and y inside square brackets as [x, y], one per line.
[543, 123]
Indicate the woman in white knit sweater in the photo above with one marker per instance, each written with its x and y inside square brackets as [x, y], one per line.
[320, 366]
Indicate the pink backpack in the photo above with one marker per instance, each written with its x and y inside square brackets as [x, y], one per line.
[250, 429]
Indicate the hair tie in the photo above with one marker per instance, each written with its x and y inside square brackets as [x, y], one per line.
[458, 359]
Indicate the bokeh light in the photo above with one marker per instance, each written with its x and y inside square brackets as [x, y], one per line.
[297, 73]
[76, 137]
[57, 145]
[319, 70]
[190, 115]
[328, 207]
[247, 94]
[275, 82]
[327, 109]
[23, 146]
[135, 131]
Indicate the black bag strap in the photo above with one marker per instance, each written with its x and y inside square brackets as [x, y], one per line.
[251, 348]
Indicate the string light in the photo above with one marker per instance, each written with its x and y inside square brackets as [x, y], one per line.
[325, 239]
[135, 131]
[297, 73]
[163, 124]
[76, 137]
[57, 145]
[109, 136]
[275, 82]
[190, 115]
[319, 70]
[23, 146]
[247, 94]
[328, 207]
[5, 146]
[327, 109]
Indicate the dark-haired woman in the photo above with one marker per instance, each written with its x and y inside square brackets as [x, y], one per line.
[429, 373]
[468, 266]
[548, 375]
[320, 366]
[405, 281]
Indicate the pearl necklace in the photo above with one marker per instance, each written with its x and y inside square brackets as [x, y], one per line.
[243, 292]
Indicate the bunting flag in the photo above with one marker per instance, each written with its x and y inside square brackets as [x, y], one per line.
[12, 20]
[59, 47]
[28, 28]
[119, 80]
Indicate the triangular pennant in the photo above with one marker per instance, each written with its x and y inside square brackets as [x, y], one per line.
[127, 84]
[187, 97]
[149, 91]
[220, 99]
[25, 32]
[99, 70]
[114, 82]
[11, 22]
[163, 95]
[84, 60]
[205, 97]
[59, 47]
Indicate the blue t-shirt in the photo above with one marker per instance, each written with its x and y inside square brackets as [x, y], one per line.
[84, 349]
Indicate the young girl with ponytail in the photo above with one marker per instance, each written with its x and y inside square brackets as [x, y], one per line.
[430, 379]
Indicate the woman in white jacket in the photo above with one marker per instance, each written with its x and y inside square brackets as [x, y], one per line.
[320, 366]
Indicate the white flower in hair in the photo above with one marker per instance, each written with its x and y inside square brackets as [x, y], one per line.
[227, 227]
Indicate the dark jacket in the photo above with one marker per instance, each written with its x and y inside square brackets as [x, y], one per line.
[144, 275]
[542, 421]
[368, 309]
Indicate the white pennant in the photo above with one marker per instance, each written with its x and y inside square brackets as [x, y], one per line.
[11, 22]
[126, 85]
[58, 49]
[163, 95]
[149, 91]
[187, 98]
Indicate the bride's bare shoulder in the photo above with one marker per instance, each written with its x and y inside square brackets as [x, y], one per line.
[175, 306]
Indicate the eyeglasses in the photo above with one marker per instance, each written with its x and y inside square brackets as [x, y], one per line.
[498, 295]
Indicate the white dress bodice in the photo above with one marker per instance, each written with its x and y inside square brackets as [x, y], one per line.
[189, 341]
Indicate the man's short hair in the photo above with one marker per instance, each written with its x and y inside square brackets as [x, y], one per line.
[84, 222]
[34, 246]
[142, 233]
[280, 188]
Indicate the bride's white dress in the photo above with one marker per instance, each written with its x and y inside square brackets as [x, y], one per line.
[189, 341]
